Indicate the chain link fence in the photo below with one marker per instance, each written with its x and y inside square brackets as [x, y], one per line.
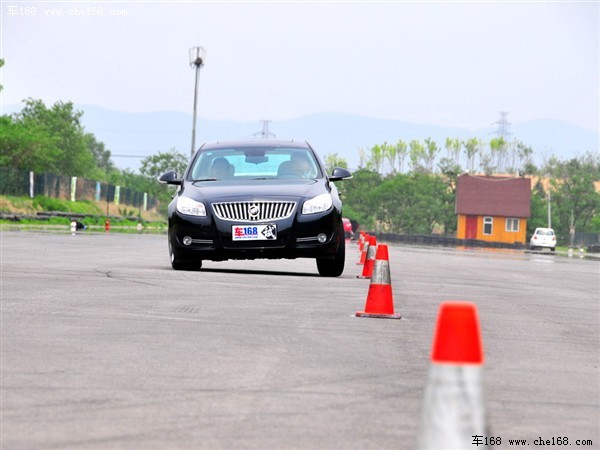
[17, 182]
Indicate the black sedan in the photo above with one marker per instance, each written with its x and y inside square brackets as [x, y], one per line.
[256, 199]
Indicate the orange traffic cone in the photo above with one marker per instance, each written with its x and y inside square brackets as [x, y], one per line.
[370, 257]
[380, 300]
[363, 250]
[453, 413]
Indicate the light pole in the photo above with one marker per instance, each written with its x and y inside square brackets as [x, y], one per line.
[549, 209]
[197, 57]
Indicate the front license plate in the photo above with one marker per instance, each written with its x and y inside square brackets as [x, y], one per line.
[254, 232]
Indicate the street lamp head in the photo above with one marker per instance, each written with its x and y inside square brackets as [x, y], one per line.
[197, 56]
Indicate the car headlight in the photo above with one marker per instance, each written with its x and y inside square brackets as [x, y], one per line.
[318, 204]
[190, 207]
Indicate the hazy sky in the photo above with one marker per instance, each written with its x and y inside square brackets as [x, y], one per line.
[444, 63]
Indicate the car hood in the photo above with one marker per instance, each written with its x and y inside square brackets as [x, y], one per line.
[253, 189]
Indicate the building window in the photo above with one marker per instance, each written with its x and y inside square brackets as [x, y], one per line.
[487, 225]
[512, 224]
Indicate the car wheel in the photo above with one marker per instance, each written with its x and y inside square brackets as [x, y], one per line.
[180, 264]
[552, 249]
[333, 267]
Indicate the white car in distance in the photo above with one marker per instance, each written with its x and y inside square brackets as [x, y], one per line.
[543, 238]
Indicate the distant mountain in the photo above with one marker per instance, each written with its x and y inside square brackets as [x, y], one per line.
[138, 135]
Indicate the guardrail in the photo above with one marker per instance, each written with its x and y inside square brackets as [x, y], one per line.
[447, 241]
[45, 215]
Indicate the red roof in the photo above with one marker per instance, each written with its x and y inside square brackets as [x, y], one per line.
[493, 196]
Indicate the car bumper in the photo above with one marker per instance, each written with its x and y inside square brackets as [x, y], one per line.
[210, 238]
[544, 244]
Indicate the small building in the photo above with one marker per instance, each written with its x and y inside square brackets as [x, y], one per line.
[493, 208]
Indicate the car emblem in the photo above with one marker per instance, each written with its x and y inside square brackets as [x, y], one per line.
[254, 210]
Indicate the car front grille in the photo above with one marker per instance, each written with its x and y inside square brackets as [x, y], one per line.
[253, 211]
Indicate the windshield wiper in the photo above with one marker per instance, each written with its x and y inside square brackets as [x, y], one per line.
[204, 179]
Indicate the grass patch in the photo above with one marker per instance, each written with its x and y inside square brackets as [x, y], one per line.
[55, 204]
[121, 217]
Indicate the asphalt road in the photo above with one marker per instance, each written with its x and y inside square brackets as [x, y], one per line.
[104, 346]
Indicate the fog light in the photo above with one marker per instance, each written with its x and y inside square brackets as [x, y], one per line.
[187, 240]
[322, 238]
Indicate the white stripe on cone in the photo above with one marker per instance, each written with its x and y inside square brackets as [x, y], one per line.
[453, 416]
[453, 413]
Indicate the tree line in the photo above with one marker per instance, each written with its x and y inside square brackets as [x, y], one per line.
[474, 155]
[406, 187]
[383, 196]
[53, 140]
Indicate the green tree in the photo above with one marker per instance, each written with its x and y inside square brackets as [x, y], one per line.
[27, 146]
[333, 160]
[135, 181]
[416, 155]
[450, 172]
[401, 152]
[573, 193]
[431, 152]
[358, 196]
[67, 152]
[498, 149]
[453, 146]
[154, 166]
[472, 148]
[524, 153]
[413, 203]
[539, 208]
[486, 162]
[376, 159]
[390, 153]
[100, 154]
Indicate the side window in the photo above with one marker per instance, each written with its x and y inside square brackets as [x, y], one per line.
[487, 225]
[512, 224]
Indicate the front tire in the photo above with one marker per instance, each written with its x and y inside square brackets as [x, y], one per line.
[178, 263]
[333, 267]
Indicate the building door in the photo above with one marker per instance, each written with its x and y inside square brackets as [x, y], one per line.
[471, 227]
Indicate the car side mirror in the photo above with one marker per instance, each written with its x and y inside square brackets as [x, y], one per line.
[169, 177]
[339, 174]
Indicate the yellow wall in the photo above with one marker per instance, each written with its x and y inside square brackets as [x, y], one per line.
[461, 227]
[499, 233]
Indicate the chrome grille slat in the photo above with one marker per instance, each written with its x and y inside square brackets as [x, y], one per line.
[240, 211]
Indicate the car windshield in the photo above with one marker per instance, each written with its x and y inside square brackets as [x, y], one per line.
[254, 163]
[545, 232]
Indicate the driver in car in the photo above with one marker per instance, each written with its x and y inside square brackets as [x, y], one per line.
[220, 168]
[300, 165]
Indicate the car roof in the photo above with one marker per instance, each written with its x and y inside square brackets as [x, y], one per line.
[257, 143]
